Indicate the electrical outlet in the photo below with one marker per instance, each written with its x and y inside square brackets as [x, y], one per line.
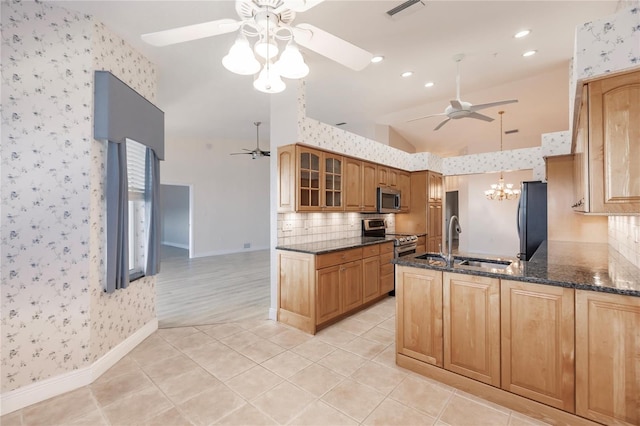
[287, 226]
[247, 245]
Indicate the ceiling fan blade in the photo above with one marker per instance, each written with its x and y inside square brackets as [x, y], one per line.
[456, 104]
[191, 32]
[442, 124]
[332, 47]
[301, 5]
[241, 153]
[479, 116]
[266, 153]
[426, 116]
[490, 104]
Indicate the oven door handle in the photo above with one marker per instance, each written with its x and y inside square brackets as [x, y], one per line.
[405, 248]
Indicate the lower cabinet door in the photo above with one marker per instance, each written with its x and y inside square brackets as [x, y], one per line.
[327, 294]
[608, 357]
[472, 326]
[538, 328]
[419, 316]
[371, 278]
[351, 285]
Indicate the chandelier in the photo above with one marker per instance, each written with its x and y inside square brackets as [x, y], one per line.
[263, 58]
[501, 191]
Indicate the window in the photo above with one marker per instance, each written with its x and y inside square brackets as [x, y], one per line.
[136, 173]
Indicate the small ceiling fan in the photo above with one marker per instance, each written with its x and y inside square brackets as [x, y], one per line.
[256, 153]
[270, 20]
[461, 109]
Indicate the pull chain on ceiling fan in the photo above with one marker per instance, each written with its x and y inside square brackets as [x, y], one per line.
[256, 153]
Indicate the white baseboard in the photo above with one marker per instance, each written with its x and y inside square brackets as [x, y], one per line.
[273, 314]
[221, 252]
[176, 245]
[54, 386]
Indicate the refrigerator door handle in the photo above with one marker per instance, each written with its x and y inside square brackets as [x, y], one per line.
[518, 214]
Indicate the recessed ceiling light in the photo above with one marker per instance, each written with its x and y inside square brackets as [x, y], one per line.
[529, 53]
[407, 74]
[522, 33]
[377, 59]
[429, 84]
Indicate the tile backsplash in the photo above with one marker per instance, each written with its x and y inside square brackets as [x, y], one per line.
[312, 227]
[624, 236]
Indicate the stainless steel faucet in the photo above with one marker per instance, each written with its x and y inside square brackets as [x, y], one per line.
[449, 255]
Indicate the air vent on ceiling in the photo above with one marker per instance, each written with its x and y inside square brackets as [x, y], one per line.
[508, 132]
[404, 8]
[341, 124]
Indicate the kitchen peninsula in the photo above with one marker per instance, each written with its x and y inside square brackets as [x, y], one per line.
[556, 337]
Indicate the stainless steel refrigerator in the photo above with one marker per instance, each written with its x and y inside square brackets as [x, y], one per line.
[532, 217]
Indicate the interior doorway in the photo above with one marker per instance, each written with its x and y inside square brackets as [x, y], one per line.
[451, 209]
[176, 220]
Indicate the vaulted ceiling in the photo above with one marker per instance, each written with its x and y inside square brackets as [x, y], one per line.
[201, 99]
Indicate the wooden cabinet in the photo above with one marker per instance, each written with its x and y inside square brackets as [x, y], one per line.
[387, 176]
[387, 276]
[435, 186]
[317, 290]
[537, 325]
[471, 307]
[421, 244]
[371, 274]
[309, 180]
[419, 314]
[425, 208]
[610, 179]
[313, 180]
[360, 185]
[328, 293]
[581, 157]
[608, 357]
[404, 186]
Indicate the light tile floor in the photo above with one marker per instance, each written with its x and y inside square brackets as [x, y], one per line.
[265, 373]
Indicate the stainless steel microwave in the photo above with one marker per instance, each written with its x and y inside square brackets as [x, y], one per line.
[388, 200]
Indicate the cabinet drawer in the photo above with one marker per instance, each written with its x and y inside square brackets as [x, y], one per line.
[386, 248]
[338, 257]
[372, 250]
[386, 269]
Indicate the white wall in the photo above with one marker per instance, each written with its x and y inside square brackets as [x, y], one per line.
[488, 227]
[174, 208]
[230, 193]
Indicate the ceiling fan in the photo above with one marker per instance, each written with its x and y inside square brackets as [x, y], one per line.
[270, 21]
[256, 153]
[461, 109]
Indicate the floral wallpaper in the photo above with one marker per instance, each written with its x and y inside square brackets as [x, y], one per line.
[558, 143]
[115, 316]
[46, 131]
[515, 159]
[55, 317]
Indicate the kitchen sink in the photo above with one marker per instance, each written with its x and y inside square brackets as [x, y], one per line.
[485, 263]
[437, 260]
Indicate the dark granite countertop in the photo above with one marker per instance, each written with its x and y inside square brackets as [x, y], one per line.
[585, 266]
[321, 247]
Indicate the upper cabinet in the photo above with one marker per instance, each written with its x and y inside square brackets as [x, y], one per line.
[314, 180]
[360, 185]
[607, 146]
[309, 180]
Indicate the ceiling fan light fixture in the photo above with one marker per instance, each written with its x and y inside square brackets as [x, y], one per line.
[266, 49]
[269, 81]
[291, 64]
[240, 59]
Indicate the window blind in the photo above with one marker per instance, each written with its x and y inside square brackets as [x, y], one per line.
[136, 166]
